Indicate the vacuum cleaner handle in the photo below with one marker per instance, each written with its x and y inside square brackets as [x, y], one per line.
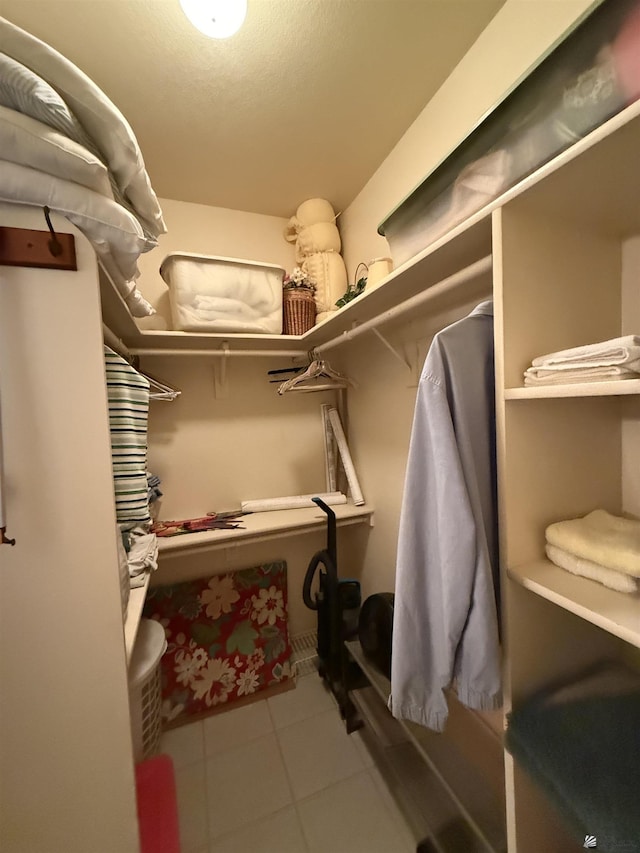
[331, 529]
[316, 560]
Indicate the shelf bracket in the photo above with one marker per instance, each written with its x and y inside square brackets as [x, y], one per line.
[220, 384]
[391, 348]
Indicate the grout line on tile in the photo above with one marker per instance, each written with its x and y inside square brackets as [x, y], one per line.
[221, 838]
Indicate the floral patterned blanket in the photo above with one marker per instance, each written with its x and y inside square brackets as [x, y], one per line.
[226, 638]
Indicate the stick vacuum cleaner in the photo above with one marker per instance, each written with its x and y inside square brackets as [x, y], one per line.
[337, 603]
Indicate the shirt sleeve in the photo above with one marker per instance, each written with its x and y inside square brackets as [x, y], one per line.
[436, 564]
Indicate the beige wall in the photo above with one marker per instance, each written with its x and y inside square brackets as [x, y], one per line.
[209, 231]
[212, 452]
[520, 32]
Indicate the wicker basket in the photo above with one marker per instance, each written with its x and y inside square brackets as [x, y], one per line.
[298, 311]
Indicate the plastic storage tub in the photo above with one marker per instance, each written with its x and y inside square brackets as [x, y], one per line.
[592, 75]
[213, 294]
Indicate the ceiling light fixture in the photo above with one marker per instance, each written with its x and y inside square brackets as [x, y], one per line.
[217, 19]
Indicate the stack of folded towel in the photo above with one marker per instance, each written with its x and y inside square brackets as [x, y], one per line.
[600, 546]
[618, 358]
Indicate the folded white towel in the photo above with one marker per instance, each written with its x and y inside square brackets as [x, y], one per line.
[593, 571]
[605, 539]
[614, 351]
[569, 376]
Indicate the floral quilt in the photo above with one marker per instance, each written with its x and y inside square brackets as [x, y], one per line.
[226, 638]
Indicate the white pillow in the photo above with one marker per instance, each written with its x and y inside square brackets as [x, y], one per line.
[96, 113]
[114, 233]
[29, 142]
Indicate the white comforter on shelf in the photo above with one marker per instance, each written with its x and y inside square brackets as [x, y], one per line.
[56, 130]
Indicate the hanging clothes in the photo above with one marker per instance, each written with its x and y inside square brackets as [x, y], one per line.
[445, 630]
[128, 399]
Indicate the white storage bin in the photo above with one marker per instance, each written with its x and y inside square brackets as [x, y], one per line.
[213, 294]
[144, 689]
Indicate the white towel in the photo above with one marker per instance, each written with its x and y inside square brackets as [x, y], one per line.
[605, 539]
[593, 571]
[571, 375]
[614, 351]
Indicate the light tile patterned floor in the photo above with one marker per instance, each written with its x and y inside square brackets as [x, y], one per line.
[282, 776]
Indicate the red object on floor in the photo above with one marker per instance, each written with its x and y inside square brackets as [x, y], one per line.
[157, 806]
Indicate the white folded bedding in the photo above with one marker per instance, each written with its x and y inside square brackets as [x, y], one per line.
[572, 375]
[614, 351]
[97, 115]
[587, 569]
[114, 233]
[29, 142]
[602, 538]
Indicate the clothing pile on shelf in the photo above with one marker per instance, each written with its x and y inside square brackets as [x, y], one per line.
[566, 740]
[153, 486]
[128, 401]
[618, 358]
[600, 546]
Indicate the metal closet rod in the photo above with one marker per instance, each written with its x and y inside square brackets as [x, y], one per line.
[222, 353]
[454, 281]
[113, 341]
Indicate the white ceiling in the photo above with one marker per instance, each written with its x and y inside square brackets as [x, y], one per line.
[306, 100]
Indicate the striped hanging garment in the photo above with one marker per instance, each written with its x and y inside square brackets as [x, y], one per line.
[128, 396]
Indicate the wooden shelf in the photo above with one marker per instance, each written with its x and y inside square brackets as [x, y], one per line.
[617, 613]
[464, 246]
[134, 614]
[471, 796]
[259, 526]
[582, 389]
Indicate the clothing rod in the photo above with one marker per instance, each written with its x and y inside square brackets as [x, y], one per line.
[111, 340]
[454, 281]
[218, 353]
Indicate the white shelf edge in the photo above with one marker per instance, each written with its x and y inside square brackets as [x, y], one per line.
[617, 613]
[614, 388]
[260, 526]
[137, 598]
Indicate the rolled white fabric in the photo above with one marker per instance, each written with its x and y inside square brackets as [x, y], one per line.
[292, 502]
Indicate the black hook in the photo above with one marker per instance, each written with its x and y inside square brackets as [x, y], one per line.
[55, 247]
[4, 539]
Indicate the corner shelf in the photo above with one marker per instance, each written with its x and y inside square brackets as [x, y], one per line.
[260, 526]
[464, 247]
[617, 613]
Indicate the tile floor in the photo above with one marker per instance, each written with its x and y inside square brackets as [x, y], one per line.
[282, 776]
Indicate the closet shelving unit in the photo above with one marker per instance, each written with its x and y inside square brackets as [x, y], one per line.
[565, 268]
[259, 526]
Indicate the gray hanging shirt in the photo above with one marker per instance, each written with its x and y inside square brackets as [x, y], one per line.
[445, 630]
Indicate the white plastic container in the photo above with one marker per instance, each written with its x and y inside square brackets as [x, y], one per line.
[214, 294]
[144, 689]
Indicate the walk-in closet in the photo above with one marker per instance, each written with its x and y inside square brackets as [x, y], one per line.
[510, 202]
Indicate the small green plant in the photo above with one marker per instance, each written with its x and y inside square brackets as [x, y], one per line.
[354, 290]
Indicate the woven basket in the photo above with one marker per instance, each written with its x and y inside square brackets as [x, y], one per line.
[298, 311]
